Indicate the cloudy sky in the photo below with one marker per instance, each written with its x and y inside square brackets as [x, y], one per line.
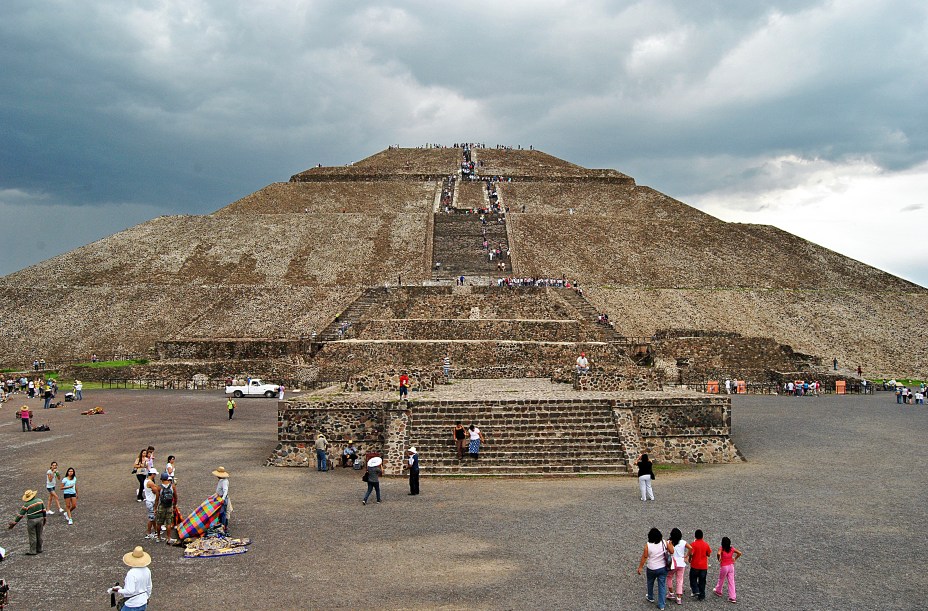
[812, 116]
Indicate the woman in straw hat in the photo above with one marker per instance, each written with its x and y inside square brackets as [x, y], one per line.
[137, 590]
[222, 491]
[372, 477]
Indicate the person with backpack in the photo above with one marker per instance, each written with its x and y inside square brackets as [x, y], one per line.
[164, 513]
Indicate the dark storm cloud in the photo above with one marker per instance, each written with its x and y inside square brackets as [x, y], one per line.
[182, 107]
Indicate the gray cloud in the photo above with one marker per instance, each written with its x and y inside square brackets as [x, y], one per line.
[182, 107]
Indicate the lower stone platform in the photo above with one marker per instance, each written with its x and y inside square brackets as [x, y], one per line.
[530, 427]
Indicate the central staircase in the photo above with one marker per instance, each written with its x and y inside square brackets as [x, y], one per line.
[561, 436]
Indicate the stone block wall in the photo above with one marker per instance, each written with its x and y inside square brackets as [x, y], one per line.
[369, 424]
[494, 359]
[390, 380]
[229, 349]
[621, 379]
[515, 330]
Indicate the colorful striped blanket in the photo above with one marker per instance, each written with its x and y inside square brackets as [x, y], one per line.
[197, 522]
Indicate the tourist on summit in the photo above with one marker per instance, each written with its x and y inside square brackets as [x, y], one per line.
[459, 434]
[698, 556]
[727, 556]
[372, 477]
[69, 491]
[413, 471]
[322, 444]
[680, 548]
[645, 475]
[52, 477]
[653, 557]
[583, 364]
[476, 438]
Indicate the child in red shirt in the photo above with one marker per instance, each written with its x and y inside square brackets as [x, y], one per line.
[698, 559]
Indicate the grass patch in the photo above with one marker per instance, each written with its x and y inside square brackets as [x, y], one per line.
[669, 468]
[904, 381]
[102, 364]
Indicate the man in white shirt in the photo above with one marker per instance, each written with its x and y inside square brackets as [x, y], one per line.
[583, 365]
[137, 590]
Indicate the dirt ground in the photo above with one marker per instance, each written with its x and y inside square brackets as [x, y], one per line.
[828, 510]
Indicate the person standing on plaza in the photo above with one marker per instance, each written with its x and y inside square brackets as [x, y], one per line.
[25, 417]
[230, 405]
[164, 513]
[322, 444]
[222, 491]
[446, 365]
[698, 556]
[280, 392]
[459, 434]
[150, 459]
[140, 468]
[137, 589]
[34, 510]
[169, 467]
[78, 390]
[151, 497]
[680, 548]
[476, 438]
[52, 478]
[69, 491]
[645, 475]
[727, 556]
[653, 557]
[413, 471]
[372, 477]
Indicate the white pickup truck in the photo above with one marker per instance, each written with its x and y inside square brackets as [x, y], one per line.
[254, 388]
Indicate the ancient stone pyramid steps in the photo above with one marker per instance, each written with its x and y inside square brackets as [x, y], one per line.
[458, 244]
[370, 297]
[589, 314]
[522, 437]
[334, 196]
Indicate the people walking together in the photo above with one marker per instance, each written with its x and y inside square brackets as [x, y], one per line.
[69, 490]
[52, 477]
[675, 572]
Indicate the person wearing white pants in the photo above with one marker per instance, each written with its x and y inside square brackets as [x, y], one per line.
[645, 475]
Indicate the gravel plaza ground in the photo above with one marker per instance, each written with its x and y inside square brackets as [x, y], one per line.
[829, 510]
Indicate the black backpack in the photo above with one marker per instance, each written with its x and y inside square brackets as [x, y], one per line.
[167, 496]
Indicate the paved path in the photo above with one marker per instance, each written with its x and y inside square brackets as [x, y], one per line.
[829, 510]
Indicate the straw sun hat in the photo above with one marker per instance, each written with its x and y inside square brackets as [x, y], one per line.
[28, 495]
[221, 472]
[136, 558]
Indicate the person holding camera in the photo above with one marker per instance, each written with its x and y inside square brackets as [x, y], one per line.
[137, 590]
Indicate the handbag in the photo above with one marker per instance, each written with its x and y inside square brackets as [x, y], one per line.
[365, 478]
[668, 558]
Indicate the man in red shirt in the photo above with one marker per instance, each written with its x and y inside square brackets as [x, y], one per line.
[698, 559]
[404, 386]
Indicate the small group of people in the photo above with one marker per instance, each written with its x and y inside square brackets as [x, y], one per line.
[905, 396]
[158, 493]
[666, 560]
[35, 510]
[469, 437]
[374, 471]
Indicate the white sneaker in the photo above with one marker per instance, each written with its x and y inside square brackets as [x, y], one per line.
[70, 521]
[50, 512]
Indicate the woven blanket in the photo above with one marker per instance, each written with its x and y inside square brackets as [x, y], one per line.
[197, 522]
[215, 547]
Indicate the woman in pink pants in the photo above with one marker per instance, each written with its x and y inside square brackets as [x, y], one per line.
[727, 556]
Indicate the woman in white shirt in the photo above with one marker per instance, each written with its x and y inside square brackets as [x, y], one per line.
[476, 438]
[680, 547]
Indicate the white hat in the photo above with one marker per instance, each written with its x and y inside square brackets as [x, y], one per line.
[412, 450]
[375, 462]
